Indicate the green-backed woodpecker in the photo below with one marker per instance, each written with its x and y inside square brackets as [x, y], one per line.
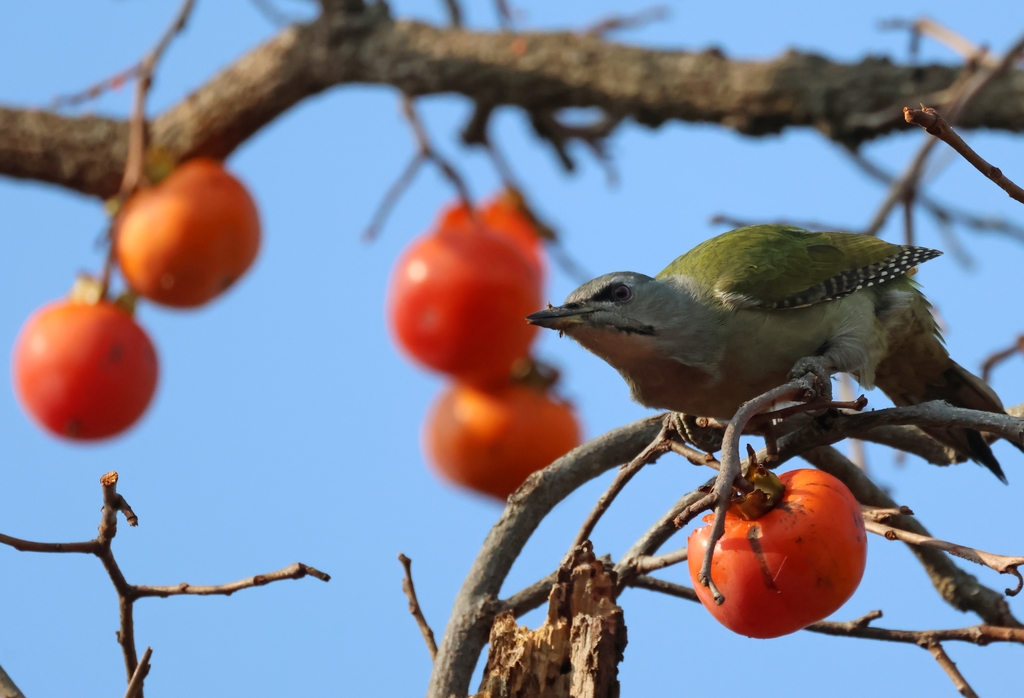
[728, 320]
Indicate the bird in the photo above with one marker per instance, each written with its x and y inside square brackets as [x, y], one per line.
[729, 320]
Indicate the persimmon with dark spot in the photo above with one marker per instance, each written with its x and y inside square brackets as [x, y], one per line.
[84, 370]
[793, 566]
[492, 440]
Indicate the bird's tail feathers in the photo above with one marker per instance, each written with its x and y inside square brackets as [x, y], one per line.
[959, 387]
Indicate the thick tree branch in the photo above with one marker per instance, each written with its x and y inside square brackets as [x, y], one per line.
[535, 71]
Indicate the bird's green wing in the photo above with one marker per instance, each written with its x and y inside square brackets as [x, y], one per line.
[777, 266]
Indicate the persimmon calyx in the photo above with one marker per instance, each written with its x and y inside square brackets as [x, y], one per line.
[767, 493]
[86, 289]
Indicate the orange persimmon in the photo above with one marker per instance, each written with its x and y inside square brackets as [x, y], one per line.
[492, 440]
[84, 370]
[791, 567]
[187, 239]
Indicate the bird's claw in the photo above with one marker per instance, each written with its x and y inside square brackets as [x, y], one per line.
[822, 371]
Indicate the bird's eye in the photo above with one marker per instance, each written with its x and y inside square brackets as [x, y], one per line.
[622, 293]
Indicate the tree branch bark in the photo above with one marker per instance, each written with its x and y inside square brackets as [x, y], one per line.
[847, 102]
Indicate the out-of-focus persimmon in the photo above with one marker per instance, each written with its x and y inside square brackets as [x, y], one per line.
[458, 299]
[187, 239]
[791, 567]
[506, 216]
[84, 370]
[492, 440]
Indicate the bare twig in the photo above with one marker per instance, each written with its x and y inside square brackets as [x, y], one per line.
[944, 214]
[650, 563]
[505, 17]
[1000, 356]
[529, 598]
[414, 606]
[296, 570]
[270, 11]
[950, 668]
[128, 594]
[932, 122]
[884, 514]
[659, 446]
[636, 20]
[548, 126]
[1004, 564]
[138, 129]
[454, 12]
[734, 222]
[114, 82]
[429, 152]
[394, 193]
[963, 93]
[425, 152]
[926, 26]
[139, 675]
[133, 169]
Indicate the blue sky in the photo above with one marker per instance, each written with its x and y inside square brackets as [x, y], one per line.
[287, 426]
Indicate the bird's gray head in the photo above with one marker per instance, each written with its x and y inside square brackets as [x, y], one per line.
[620, 302]
[651, 330]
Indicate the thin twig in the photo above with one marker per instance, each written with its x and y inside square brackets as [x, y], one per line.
[454, 12]
[138, 130]
[926, 26]
[296, 570]
[1004, 564]
[931, 121]
[650, 563]
[942, 213]
[965, 90]
[128, 594]
[1000, 356]
[884, 514]
[654, 450]
[141, 671]
[636, 20]
[529, 598]
[394, 193]
[505, 17]
[414, 606]
[949, 667]
[425, 152]
[269, 10]
[429, 152]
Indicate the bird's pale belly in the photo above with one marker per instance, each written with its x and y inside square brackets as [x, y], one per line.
[761, 349]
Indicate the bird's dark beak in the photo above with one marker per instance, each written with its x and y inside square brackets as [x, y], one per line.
[559, 317]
